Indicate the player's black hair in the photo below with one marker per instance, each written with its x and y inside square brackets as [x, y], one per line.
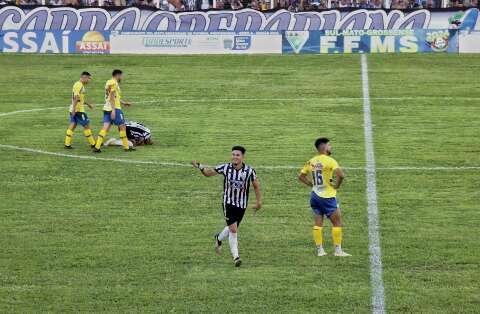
[321, 141]
[85, 73]
[240, 148]
[116, 72]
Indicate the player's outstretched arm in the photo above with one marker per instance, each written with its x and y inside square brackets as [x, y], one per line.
[258, 195]
[340, 175]
[206, 171]
[126, 103]
[303, 178]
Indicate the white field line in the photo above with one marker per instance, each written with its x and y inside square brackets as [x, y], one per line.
[306, 99]
[376, 269]
[177, 164]
[204, 100]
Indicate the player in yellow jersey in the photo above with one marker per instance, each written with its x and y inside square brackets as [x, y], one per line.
[77, 111]
[320, 169]
[112, 112]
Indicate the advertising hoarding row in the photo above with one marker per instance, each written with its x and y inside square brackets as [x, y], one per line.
[288, 42]
[195, 43]
[370, 41]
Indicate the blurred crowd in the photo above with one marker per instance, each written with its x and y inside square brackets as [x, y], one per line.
[262, 5]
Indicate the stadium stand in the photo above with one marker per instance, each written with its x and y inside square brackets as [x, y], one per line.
[262, 5]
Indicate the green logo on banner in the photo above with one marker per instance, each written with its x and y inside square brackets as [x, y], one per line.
[297, 39]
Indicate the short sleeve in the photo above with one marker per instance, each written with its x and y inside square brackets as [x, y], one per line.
[77, 89]
[220, 169]
[253, 175]
[306, 168]
[334, 164]
[111, 87]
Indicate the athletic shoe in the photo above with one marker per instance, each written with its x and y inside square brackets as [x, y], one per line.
[342, 254]
[218, 244]
[321, 252]
[96, 150]
[237, 262]
[130, 149]
[68, 147]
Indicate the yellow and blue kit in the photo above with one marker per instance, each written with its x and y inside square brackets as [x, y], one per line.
[113, 86]
[323, 199]
[80, 116]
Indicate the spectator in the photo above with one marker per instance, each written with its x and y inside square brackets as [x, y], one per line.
[264, 5]
[236, 4]
[345, 4]
[364, 4]
[30, 2]
[254, 5]
[377, 4]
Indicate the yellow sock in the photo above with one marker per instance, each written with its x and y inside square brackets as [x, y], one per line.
[123, 136]
[317, 235]
[88, 135]
[68, 138]
[337, 235]
[100, 137]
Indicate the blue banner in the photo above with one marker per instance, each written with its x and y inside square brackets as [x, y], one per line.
[82, 42]
[370, 41]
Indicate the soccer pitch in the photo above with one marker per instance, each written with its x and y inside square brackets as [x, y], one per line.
[120, 232]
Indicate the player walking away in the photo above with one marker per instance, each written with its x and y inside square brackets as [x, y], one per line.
[236, 185]
[112, 112]
[324, 190]
[77, 111]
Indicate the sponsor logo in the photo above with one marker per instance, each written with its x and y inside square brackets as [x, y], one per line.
[238, 43]
[237, 184]
[297, 39]
[438, 41]
[92, 42]
[167, 42]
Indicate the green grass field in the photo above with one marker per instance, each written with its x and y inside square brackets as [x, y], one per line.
[88, 235]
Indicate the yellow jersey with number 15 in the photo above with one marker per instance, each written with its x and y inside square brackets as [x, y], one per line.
[321, 168]
[78, 91]
[112, 86]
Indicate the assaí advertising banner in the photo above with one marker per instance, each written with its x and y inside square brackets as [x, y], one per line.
[195, 43]
[81, 42]
[370, 41]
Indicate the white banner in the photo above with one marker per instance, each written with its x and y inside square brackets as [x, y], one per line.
[469, 42]
[195, 43]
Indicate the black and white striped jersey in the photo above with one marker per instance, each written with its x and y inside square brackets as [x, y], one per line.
[236, 183]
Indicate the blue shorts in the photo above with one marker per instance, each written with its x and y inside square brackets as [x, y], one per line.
[119, 119]
[80, 118]
[323, 206]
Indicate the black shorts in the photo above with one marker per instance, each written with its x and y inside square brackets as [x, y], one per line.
[233, 214]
